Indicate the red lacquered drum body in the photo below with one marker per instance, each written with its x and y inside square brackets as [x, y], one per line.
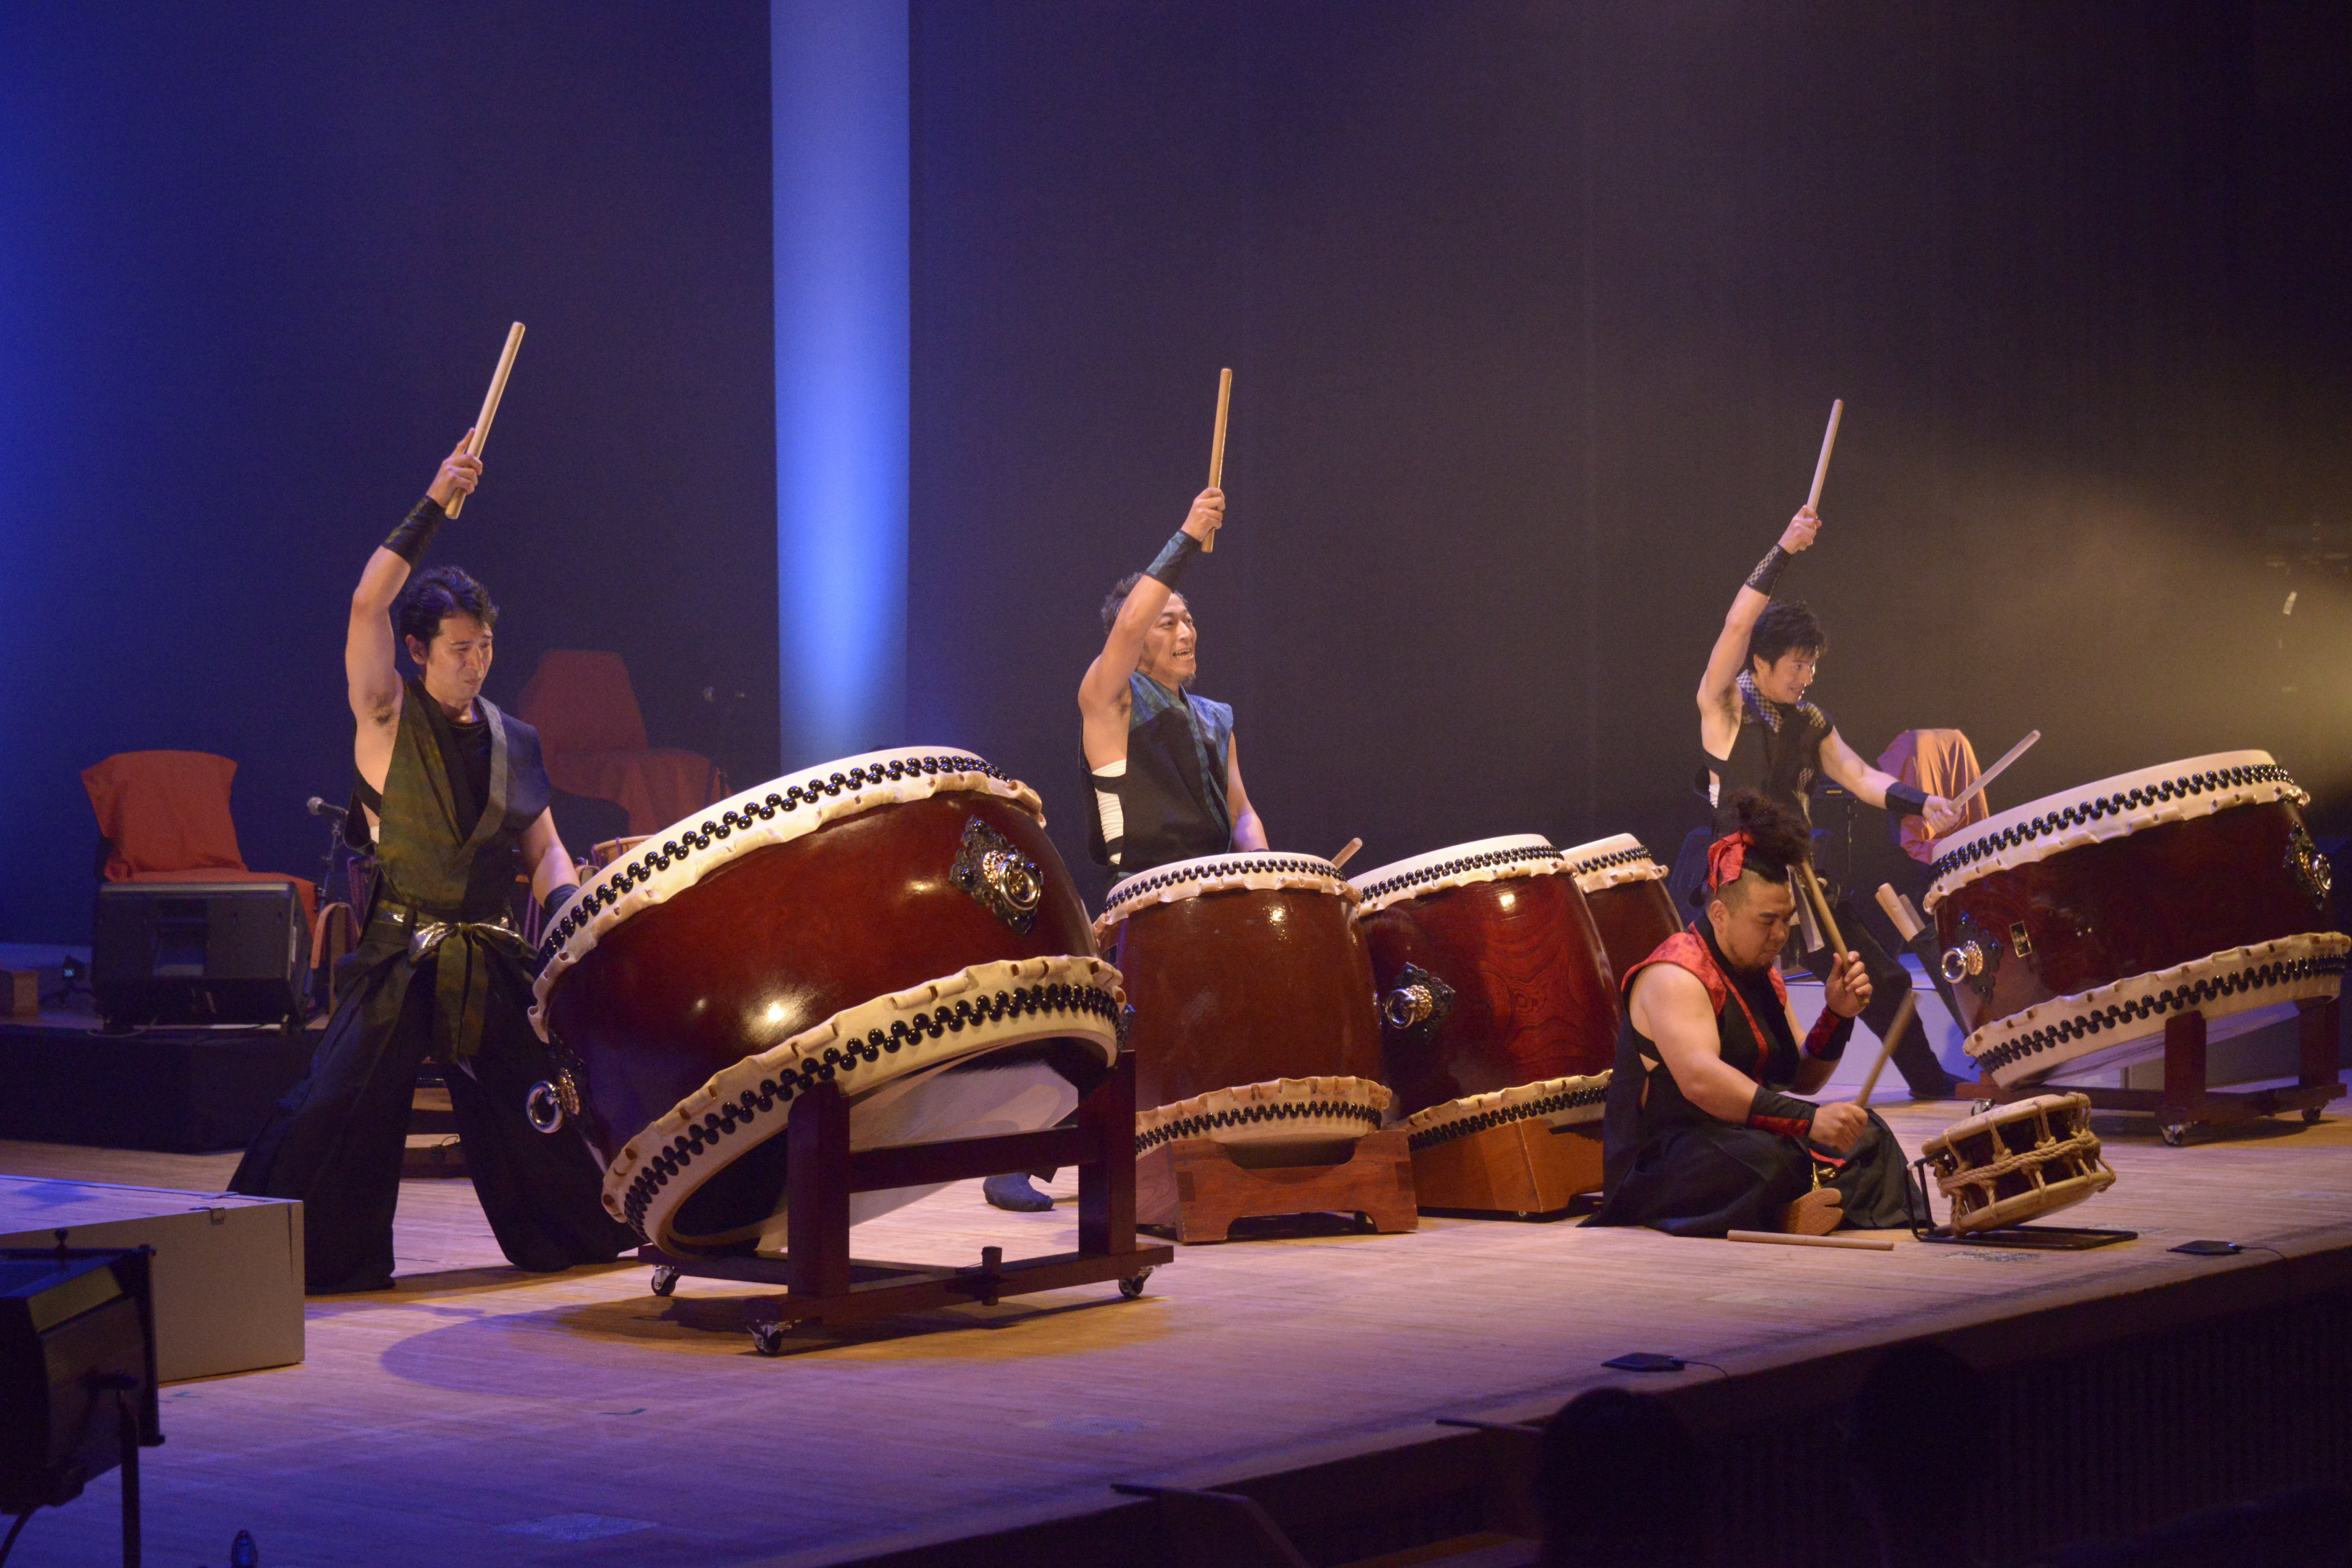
[1490, 973]
[1625, 890]
[1246, 973]
[898, 923]
[2075, 926]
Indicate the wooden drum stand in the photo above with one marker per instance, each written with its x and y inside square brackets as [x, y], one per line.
[1525, 1169]
[822, 1284]
[1196, 1187]
[2185, 1101]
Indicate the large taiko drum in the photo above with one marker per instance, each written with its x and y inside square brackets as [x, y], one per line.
[1253, 1021]
[896, 923]
[1490, 974]
[1626, 891]
[2075, 927]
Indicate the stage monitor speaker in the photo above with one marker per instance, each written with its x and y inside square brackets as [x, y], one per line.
[77, 1370]
[199, 952]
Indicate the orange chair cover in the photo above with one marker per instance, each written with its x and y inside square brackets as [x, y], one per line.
[592, 735]
[165, 815]
[1939, 761]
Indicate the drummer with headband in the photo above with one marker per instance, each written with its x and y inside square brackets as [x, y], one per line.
[1758, 732]
[1163, 774]
[1703, 1132]
[457, 798]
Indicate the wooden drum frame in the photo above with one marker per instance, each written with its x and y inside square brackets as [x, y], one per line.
[1625, 889]
[2075, 927]
[896, 924]
[2018, 1162]
[1252, 994]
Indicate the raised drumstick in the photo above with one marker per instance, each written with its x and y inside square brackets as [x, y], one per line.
[1902, 1020]
[490, 406]
[1821, 908]
[1347, 852]
[1217, 446]
[1822, 467]
[1998, 768]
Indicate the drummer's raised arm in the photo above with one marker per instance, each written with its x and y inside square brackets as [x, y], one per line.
[1249, 832]
[1102, 695]
[1716, 689]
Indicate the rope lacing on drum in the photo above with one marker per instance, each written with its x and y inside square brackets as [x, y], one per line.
[1503, 1116]
[720, 828]
[1211, 1121]
[1529, 853]
[1264, 865]
[1614, 858]
[844, 1057]
[2086, 812]
[2176, 999]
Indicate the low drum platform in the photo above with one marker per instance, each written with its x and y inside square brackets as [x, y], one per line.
[1198, 1187]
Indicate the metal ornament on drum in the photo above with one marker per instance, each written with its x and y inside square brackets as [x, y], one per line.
[2017, 1163]
[1626, 891]
[2075, 927]
[896, 923]
[1252, 993]
[1491, 979]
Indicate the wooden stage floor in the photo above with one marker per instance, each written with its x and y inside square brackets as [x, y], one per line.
[481, 1415]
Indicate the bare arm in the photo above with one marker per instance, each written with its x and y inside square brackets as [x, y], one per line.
[370, 652]
[1249, 832]
[1719, 706]
[1670, 1006]
[1103, 694]
[551, 863]
[1842, 763]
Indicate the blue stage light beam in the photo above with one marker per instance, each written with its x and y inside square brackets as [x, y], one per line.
[839, 85]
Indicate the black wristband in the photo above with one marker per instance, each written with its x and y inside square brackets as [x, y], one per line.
[559, 899]
[1767, 571]
[1169, 565]
[1773, 1112]
[1826, 1041]
[1905, 800]
[416, 531]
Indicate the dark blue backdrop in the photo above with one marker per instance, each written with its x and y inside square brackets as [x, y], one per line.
[255, 263]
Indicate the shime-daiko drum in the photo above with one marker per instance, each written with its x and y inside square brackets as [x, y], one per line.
[1626, 891]
[1491, 978]
[1253, 997]
[2017, 1163]
[2075, 927]
[896, 923]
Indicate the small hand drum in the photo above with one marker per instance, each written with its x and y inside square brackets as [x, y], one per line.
[2017, 1163]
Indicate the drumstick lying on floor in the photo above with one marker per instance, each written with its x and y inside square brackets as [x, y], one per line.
[1345, 851]
[1786, 1239]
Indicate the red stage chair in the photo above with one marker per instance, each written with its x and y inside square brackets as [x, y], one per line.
[164, 815]
[593, 738]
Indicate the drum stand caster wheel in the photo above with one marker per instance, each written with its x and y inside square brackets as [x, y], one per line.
[665, 1279]
[1132, 1286]
[2173, 1135]
[768, 1339]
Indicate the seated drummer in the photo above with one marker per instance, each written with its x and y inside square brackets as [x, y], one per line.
[1702, 1133]
[1758, 732]
[1162, 772]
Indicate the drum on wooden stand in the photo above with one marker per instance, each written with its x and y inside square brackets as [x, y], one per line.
[2075, 927]
[2017, 1163]
[896, 923]
[1625, 890]
[1254, 1022]
[1497, 999]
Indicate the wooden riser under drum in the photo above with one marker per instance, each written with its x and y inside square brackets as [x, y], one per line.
[1197, 1189]
[1522, 1169]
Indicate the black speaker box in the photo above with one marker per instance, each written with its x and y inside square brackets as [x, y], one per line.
[77, 1369]
[199, 952]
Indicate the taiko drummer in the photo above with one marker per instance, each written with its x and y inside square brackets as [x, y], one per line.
[1758, 731]
[458, 798]
[1163, 775]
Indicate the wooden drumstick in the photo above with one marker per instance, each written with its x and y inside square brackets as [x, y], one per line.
[489, 406]
[1821, 906]
[1217, 446]
[1786, 1239]
[1906, 924]
[1346, 852]
[1902, 1020]
[1995, 771]
[1822, 467]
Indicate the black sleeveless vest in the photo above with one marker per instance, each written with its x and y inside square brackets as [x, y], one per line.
[1172, 796]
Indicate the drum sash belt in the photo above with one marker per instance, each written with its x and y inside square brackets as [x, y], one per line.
[463, 953]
